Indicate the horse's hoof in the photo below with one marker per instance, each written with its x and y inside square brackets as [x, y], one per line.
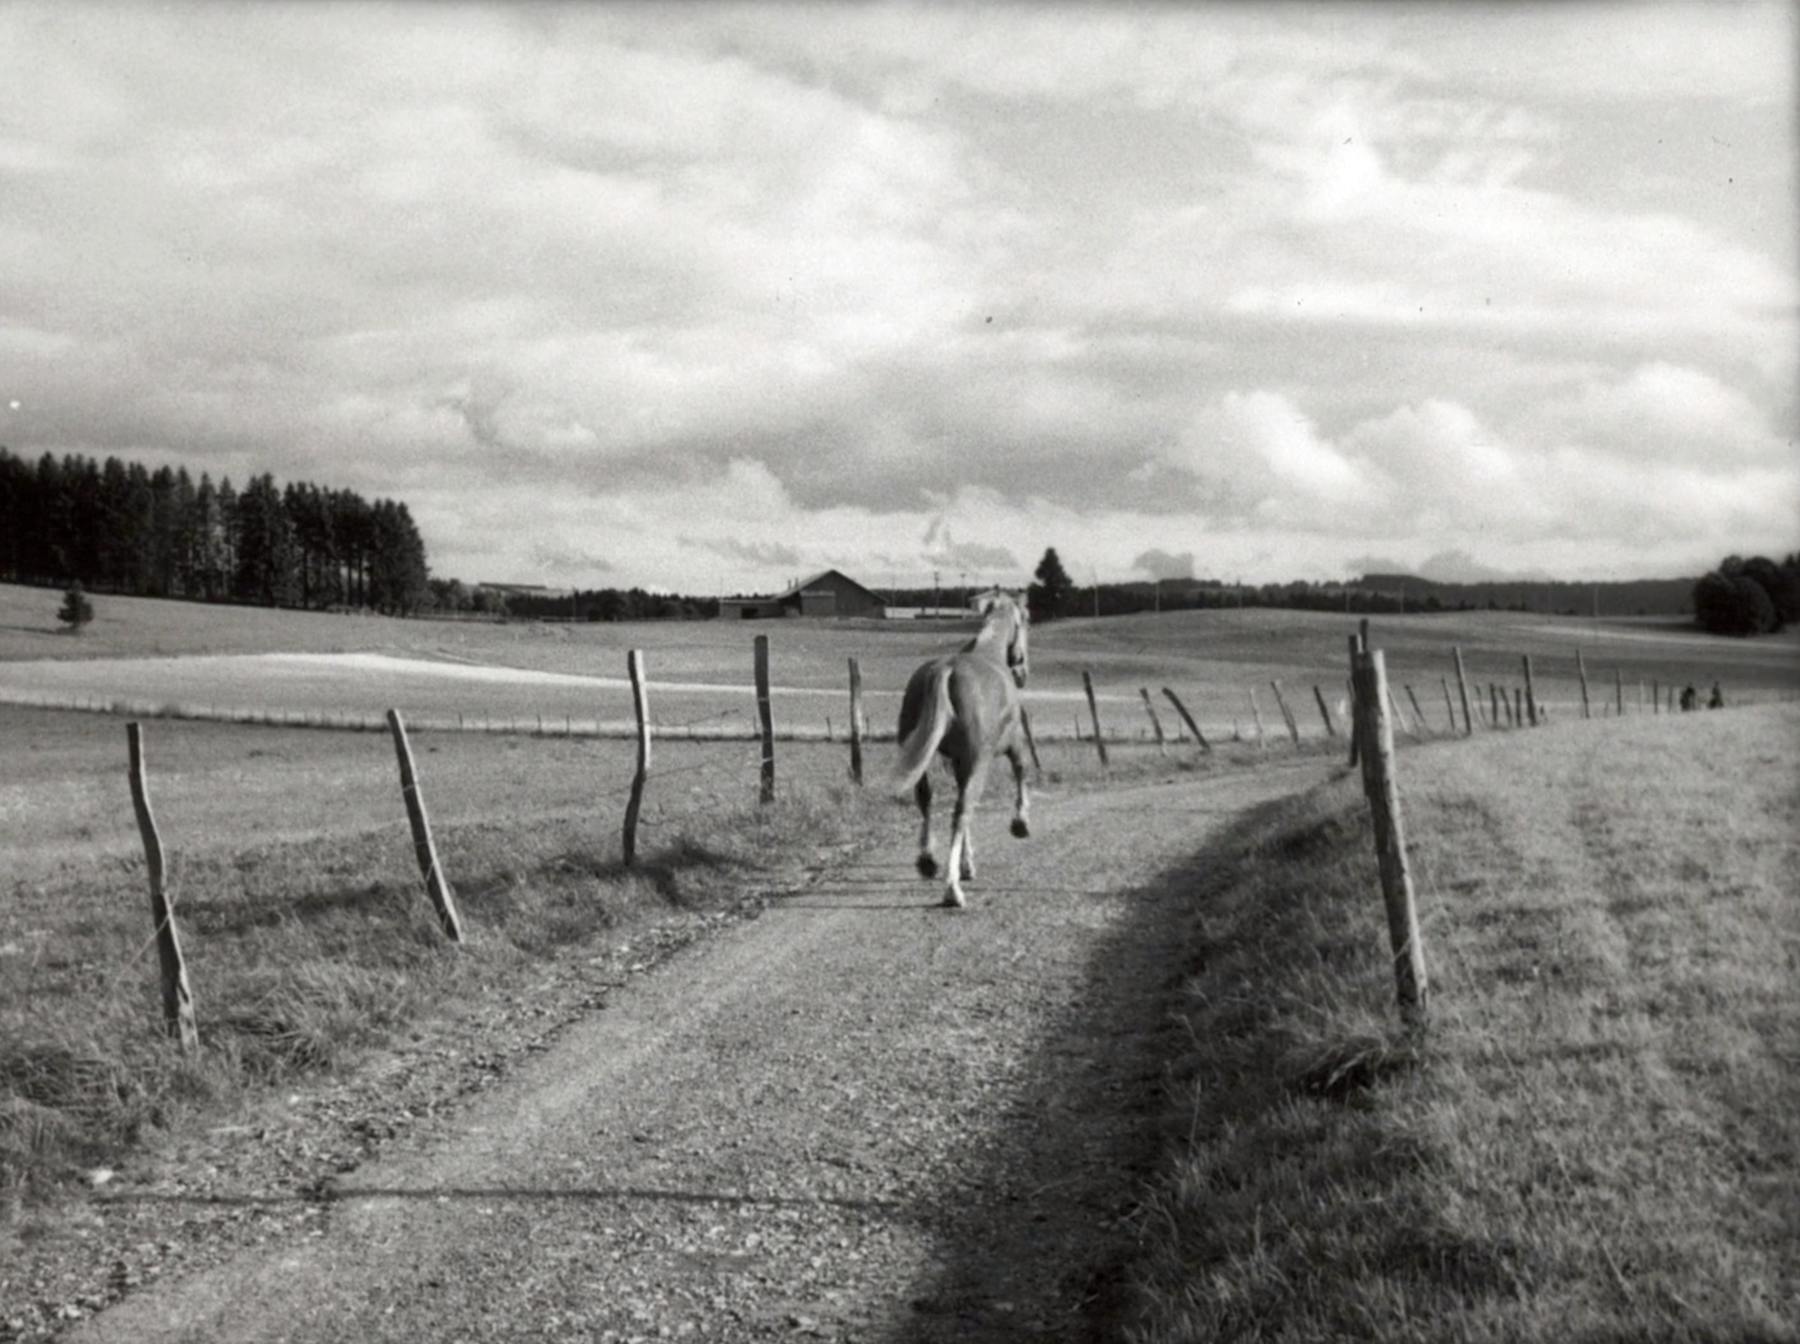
[953, 900]
[927, 866]
[1019, 828]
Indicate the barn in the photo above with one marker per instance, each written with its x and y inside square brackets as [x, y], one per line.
[832, 593]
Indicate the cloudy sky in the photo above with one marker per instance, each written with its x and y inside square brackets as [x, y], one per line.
[705, 297]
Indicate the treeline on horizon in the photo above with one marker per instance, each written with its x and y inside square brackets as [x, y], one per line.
[120, 527]
[1373, 594]
[1748, 597]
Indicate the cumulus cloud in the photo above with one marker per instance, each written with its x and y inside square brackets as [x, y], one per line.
[1159, 564]
[1302, 297]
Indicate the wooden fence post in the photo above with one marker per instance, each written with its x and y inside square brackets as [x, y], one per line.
[1449, 704]
[1087, 684]
[1581, 671]
[634, 665]
[856, 716]
[1286, 714]
[765, 719]
[1356, 721]
[1155, 723]
[1462, 686]
[1256, 714]
[1418, 714]
[1655, 696]
[1494, 698]
[1410, 982]
[442, 899]
[1530, 692]
[1030, 740]
[1324, 712]
[1518, 707]
[1618, 693]
[177, 995]
[1188, 719]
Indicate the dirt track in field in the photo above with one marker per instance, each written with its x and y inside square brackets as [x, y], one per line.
[857, 1117]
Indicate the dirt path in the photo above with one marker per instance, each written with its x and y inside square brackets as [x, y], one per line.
[857, 1117]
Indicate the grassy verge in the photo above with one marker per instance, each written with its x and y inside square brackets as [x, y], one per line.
[1595, 1137]
[302, 951]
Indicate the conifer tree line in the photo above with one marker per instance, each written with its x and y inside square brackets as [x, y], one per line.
[120, 527]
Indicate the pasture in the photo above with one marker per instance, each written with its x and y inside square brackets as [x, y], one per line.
[211, 660]
[1593, 1139]
[1609, 921]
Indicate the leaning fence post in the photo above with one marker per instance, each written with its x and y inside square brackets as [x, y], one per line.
[1618, 693]
[1030, 740]
[1188, 719]
[634, 665]
[1530, 692]
[1418, 714]
[1390, 846]
[1286, 714]
[1462, 686]
[1449, 705]
[856, 714]
[1087, 684]
[1581, 671]
[177, 995]
[435, 886]
[1324, 712]
[1256, 714]
[1155, 723]
[765, 719]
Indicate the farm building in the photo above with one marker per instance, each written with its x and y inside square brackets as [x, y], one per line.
[832, 593]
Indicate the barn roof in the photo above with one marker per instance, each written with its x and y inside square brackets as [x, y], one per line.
[804, 584]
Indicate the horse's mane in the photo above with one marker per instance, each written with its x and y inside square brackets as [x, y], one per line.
[1002, 615]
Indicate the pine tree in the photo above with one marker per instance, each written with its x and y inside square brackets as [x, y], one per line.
[1049, 596]
[76, 610]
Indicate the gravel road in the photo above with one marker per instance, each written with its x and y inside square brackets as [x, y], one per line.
[858, 1117]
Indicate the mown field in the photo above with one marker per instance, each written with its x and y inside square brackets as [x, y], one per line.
[1595, 1137]
[1212, 659]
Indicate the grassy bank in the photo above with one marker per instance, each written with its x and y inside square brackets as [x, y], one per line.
[1594, 1139]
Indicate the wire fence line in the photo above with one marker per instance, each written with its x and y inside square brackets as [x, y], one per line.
[694, 792]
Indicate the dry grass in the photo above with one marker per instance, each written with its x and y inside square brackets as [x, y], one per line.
[1595, 1137]
[302, 915]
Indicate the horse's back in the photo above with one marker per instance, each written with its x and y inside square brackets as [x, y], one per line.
[984, 701]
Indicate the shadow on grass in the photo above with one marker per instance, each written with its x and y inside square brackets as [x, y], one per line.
[1084, 1142]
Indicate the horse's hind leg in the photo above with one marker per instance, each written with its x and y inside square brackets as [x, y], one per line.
[922, 792]
[1021, 826]
[961, 863]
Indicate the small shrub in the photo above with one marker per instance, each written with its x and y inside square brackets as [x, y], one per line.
[76, 610]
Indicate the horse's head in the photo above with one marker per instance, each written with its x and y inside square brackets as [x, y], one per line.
[1018, 652]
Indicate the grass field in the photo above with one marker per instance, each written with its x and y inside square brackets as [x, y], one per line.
[1212, 659]
[1595, 1138]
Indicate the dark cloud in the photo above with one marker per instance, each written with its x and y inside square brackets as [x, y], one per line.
[550, 560]
[1165, 565]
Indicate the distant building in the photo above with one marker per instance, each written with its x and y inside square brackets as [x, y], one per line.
[832, 593]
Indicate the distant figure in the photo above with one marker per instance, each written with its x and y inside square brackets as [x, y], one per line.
[1718, 698]
[1690, 699]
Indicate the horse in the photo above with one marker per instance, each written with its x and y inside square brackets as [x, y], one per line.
[965, 707]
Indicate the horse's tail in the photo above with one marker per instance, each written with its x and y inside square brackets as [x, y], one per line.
[921, 744]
